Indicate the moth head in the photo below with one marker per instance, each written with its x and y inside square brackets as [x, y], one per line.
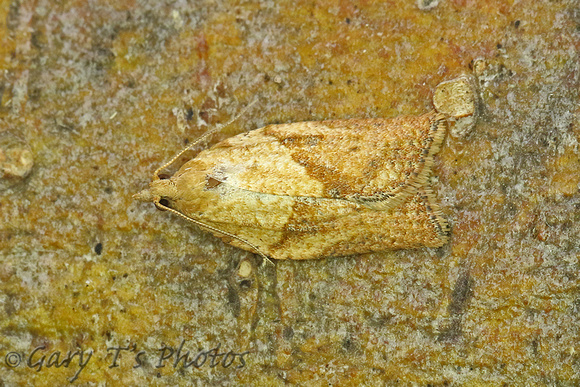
[159, 192]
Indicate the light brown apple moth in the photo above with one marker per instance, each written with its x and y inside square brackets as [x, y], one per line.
[315, 189]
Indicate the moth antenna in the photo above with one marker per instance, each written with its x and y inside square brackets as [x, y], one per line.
[201, 138]
[201, 224]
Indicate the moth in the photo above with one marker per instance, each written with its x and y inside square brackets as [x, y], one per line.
[310, 190]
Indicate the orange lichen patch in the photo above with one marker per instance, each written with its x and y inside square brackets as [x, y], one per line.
[95, 84]
[456, 163]
[222, 30]
[189, 48]
[467, 231]
[6, 44]
[320, 347]
[563, 173]
[127, 48]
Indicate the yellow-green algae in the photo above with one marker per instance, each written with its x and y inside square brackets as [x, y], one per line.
[97, 88]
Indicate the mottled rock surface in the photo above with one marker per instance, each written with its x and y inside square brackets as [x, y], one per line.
[102, 93]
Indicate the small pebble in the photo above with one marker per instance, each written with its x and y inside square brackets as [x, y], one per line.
[457, 100]
[245, 269]
[425, 5]
[16, 160]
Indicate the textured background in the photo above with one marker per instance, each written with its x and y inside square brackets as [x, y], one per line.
[103, 92]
